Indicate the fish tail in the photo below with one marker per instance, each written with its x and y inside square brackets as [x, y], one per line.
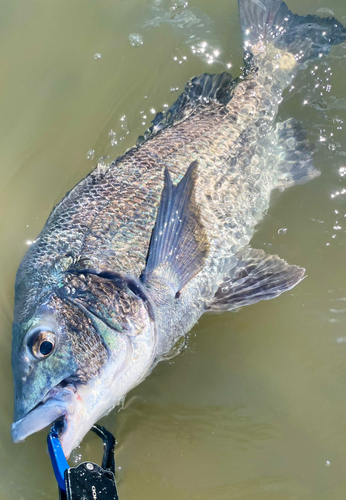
[269, 24]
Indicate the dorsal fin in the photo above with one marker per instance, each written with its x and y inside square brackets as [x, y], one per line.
[179, 244]
[198, 92]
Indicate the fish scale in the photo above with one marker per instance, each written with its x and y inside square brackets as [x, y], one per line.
[114, 189]
[136, 252]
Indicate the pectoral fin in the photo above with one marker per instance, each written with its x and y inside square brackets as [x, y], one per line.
[256, 277]
[179, 244]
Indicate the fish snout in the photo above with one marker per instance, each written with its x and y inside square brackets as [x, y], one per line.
[30, 420]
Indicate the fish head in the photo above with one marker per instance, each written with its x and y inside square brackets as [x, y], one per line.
[77, 355]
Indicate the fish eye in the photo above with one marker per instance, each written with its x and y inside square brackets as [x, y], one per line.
[42, 344]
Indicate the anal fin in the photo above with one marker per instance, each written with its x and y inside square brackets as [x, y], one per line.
[256, 276]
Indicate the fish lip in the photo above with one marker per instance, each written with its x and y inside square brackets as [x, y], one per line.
[57, 402]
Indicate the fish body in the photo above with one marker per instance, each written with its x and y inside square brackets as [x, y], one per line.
[136, 252]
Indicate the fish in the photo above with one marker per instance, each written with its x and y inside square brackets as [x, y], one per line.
[139, 249]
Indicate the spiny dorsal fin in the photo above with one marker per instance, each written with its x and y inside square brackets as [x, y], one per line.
[257, 276]
[198, 92]
[179, 244]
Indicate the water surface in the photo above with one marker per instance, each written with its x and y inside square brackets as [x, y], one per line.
[255, 406]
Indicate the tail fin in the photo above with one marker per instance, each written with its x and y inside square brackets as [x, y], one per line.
[271, 22]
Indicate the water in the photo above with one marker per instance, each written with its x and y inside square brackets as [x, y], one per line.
[255, 406]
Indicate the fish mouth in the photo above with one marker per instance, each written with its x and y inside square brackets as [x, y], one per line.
[61, 403]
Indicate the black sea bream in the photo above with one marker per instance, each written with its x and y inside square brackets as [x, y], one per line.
[135, 253]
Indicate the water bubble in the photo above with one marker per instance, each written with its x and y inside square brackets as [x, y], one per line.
[282, 230]
[327, 463]
[101, 162]
[136, 40]
[224, 289]
[90, 155]
[342, 171]
[331, 146]
[97, 56]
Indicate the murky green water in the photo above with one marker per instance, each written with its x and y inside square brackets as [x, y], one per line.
[255, 407]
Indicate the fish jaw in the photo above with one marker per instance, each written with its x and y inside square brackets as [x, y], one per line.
[69, 405]
[59, 403]
[77, 409]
